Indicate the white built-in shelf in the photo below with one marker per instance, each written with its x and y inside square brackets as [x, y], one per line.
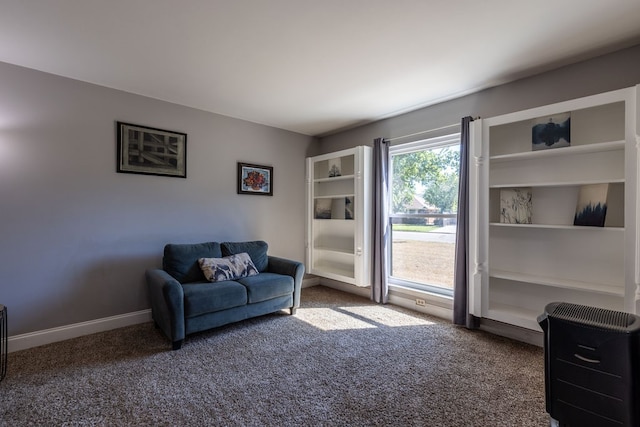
[334, 250]
[565, 151]
[334, 221]
[342, 225]
[334, 270]
[599, 288]
[558, 184]
[335, 178]
[334, 196]
[560, 227]
[516, 269]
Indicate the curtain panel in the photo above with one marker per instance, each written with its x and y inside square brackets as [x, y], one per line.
[461, 314]
[381, 227]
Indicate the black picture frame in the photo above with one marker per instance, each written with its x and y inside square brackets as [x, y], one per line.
[151, 151]
[255, 179]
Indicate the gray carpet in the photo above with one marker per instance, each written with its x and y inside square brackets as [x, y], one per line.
[341, 361]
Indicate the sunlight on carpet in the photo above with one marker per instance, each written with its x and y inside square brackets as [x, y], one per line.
[357, 317]
[328, 319]
[386, 317]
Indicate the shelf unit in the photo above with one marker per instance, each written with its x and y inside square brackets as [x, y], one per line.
[338, 215]
[516, 269]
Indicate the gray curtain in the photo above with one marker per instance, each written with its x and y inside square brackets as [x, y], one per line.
[461, 314]
[381, 229]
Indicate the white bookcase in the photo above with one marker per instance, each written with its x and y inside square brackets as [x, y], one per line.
[338, 216]
[516, 269]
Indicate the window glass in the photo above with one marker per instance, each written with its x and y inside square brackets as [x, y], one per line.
[424, 203]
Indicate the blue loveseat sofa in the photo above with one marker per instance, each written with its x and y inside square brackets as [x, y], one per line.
[183, 301]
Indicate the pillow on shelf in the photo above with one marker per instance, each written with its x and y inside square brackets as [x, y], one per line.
[228, 268]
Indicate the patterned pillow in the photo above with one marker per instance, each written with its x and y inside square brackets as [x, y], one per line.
[227, 268]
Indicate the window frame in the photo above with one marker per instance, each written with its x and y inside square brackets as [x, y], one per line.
[443, 141]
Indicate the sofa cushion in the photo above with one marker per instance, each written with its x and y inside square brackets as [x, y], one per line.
[257, 250]
[206, 297]
[266, 286]
[181, 260]
[228, 268]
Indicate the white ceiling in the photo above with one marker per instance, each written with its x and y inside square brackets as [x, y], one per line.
[310, 66]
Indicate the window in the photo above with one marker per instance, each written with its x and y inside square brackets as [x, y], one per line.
[423, 213]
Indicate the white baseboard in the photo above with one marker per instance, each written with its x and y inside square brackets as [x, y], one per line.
[310, 281]
[48, 336]
[430, 309]
[514, 332]
[345, 287]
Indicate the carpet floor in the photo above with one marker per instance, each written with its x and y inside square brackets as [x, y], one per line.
[340, 361]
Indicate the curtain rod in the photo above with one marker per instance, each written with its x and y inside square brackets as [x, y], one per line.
[430, 130]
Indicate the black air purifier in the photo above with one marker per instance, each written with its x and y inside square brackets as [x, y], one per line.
[592, 366]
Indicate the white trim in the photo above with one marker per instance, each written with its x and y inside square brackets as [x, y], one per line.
[310, 281]
[48, 336]
[439, 299]
[61, 333]
[425, 131]
[570, 105]
[429, 308]
[448, 140]
[419, 289]
[513, 332]
[346, 287]
[438, 305]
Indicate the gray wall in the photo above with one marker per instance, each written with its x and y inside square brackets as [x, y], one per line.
[608, 72]
[76, 237]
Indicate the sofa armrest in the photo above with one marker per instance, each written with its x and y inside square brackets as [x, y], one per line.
[167, 304]
[291, 268]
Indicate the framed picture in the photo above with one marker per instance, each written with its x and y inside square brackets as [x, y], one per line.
[335, 166]
[591, 208]
[551, 132]
[322, 209]
[515, 205]
[151, 151]
[255, 179]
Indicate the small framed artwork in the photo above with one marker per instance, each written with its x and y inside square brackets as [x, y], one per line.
[591, 208]
[151, 151]
[335, 166]
[255, 179]
[551, 132]
[515, 205]
[322, 208]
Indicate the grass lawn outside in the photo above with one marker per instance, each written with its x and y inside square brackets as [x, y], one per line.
[423, 262]
[414, 227]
